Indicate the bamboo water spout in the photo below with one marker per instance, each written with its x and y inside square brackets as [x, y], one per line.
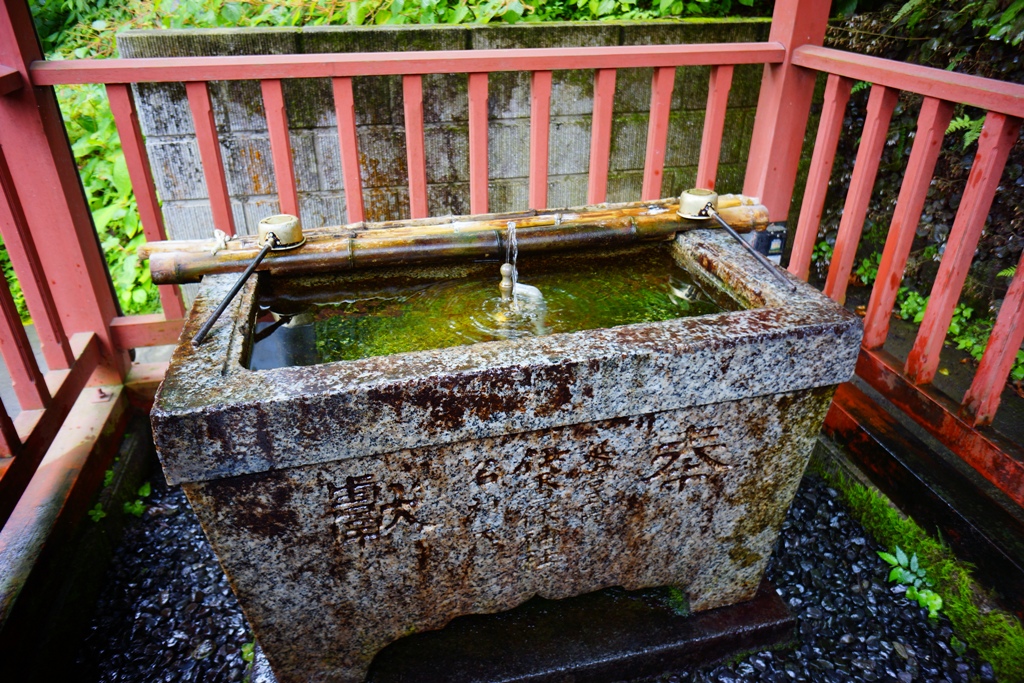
[367, 245]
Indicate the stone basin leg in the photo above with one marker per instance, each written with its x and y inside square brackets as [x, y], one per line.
[334, 561]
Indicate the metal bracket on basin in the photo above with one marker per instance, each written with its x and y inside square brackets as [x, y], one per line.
[276, 233]
[709, 212]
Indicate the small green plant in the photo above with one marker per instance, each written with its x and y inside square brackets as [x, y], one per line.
[96, 513]
[137, 507]
[858, 86]
[678, 601]
[911, 574]
[822, 253]
[971, 128]
[867, 271]
[1007, 272]
[996, 635]
[247, 653]
[912, 305]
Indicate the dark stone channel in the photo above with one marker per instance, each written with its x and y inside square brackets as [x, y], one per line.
[166, 612]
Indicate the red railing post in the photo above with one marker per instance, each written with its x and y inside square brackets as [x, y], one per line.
[783, 107]
[46, 180]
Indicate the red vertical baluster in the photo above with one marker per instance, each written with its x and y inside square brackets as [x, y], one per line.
[412, 93]
[837, 94]
[601, 135]
[997, 137]
[540, 121]
[56, 210]
[122, 105]
[22, 250]
[478, 143]
[714, 125]
[657, 132]
[209, 151]
[783, 106]
[931, 127]
[10, 443]
[280, 146]
[982, 398]
[28, 381]
[345, 107]
[876, 128]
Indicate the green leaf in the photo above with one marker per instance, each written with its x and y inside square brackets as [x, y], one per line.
[136, 507]
[122, 181]
[901, 557]
[895, 574]
[145, 490]
[101, 217]
[913, 562]
[96, 513]
[140, 295]
[888, 558]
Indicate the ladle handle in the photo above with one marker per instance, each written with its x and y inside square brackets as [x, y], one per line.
[710, 210]
[208, 325]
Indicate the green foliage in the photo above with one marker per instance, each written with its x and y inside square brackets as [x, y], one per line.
[678, 601]
[912, 305]
[179, 14]
[994, 634]
[13, 284]
[137, 507]
[911, 574]
[1001, 20]
[859, 86]
[1007, 272]
[966, 332]
[96, 513]
[822, 253]
[867, 271]
[247, 651]
[101, 164]
[971, 128]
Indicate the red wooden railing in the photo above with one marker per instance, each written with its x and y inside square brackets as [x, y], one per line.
[195, 72]
[47, 228]
[961, 425]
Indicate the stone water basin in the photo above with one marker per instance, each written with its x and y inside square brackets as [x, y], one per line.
[356, 501]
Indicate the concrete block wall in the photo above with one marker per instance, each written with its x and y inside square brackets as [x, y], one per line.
[245, 147]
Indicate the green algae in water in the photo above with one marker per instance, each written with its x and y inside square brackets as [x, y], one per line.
[577, 292]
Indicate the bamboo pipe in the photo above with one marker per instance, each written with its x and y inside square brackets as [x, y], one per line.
[429, 240]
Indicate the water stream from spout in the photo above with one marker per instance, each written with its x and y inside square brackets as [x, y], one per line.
[511, 254]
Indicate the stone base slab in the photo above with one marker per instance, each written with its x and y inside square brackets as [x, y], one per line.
[609, 635]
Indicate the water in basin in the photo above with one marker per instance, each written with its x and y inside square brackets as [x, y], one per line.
[362, 315]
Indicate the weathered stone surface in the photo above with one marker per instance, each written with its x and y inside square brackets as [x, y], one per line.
[388, 545]
[354, 502]
[238, 112]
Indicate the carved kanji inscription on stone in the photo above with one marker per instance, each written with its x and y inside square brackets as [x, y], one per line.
[698, 455]
[541, 546]
[365, 509]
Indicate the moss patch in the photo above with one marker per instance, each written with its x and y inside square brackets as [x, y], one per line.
[996, 635]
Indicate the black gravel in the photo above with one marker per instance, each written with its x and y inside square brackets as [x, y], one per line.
[166, 612]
